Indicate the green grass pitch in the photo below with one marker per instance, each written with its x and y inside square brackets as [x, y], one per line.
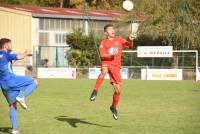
[146, 107]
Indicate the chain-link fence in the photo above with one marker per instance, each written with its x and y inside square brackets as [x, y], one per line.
[134, 73]
[55, 57]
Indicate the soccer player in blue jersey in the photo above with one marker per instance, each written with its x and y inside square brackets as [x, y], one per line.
[11, 84]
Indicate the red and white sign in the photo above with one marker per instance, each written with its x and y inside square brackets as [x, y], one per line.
[66, 73]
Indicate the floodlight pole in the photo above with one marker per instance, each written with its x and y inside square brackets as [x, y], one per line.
[183, 10]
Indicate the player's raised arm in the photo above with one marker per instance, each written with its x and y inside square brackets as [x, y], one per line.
[23, 55]
[131, 38]
[18, 56]
[129, 43]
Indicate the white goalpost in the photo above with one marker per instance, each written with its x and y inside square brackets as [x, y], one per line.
[173, 51]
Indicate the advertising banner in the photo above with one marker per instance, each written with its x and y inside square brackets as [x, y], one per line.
[161, 74]
[19, 71]
[154, 51]
[198, 74]
[66, 73]
[94, 73]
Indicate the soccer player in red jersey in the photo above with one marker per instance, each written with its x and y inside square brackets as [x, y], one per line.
[110, 52]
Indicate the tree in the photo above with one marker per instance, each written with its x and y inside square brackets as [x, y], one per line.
[83, 51]
[162, 18]
[165, 19]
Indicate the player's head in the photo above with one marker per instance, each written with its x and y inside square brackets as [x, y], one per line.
[5, 44]
[109, 30]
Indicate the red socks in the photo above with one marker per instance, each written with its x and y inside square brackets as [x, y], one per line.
[99, 82]
[116, 98]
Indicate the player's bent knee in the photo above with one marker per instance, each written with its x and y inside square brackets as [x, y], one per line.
[103, 74]
[13, 105]
[104, 71]
[118, 91]
[117, 88]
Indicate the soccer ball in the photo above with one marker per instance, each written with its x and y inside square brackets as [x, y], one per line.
[128, 5]
[112, 51]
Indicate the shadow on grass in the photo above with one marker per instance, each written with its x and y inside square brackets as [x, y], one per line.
[5, 129]
[196, 90]
[74, 121]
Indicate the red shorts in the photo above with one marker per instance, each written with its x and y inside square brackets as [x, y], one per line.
[115, 74]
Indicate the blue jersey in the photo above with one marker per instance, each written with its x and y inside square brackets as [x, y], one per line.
[5, 64]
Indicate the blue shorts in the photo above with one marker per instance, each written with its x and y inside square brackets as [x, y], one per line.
[12, 87]
[11, 95]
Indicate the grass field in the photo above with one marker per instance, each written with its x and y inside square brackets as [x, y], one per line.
[146, 107]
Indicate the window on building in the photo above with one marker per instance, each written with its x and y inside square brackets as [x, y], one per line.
[100, 27]
[76, 23]
[92, 26]
[60, 39]
[46, 24]
[52, 24]
[67, 26]
[43, 39]
[97, 27]
[41, 24]
[58, 25]
[63, 25]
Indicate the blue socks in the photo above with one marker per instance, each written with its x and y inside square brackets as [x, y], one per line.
[13, 117]
[13, 112]
[28, 90]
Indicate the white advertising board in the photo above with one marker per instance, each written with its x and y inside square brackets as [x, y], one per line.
[19, 71]
[154, 51]
[161, 74]
[94, 73]
[198, 74]
[66, 73]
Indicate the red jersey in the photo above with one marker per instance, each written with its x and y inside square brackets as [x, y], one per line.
[117, 43]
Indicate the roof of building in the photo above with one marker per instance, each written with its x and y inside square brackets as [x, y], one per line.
[52, 12]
